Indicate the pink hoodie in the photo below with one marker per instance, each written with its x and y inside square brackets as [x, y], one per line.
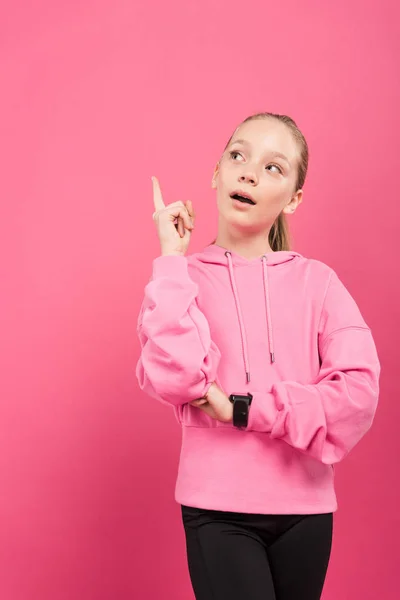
[282, 327]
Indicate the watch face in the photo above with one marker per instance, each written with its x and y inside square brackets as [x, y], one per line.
[240, 413]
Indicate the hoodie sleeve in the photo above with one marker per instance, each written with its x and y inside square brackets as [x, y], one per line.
[179, 360]
[328, 417]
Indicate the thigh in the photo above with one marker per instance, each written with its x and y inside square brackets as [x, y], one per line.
[225, 560]
[299, 558]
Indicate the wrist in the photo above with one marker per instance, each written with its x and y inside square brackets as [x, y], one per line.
[171, 253]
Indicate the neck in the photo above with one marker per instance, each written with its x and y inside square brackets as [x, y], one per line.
[249, 246]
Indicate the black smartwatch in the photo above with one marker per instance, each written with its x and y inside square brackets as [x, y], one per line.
[241, 403]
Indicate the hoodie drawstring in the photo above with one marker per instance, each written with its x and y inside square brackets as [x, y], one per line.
[240, 316]
[268, 305]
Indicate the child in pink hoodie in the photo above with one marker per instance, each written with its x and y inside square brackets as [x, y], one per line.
[247, 315]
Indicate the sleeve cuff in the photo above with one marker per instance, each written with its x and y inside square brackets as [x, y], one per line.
[264, 415]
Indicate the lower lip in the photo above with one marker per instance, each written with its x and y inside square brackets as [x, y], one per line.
[242, 205]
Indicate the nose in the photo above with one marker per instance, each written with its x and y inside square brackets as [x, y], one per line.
[249, 177]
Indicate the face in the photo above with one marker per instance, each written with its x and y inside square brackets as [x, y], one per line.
[250, 165]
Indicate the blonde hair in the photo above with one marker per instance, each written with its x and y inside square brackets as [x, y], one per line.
[279, 236]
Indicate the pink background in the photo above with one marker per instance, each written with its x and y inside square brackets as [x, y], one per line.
[97, 96]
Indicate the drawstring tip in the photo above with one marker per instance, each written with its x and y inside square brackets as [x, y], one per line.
[247, 376]
[272, 357]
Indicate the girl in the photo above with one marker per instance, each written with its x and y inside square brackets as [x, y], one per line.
[270, 367]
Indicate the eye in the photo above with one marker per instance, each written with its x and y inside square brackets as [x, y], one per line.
[273, 165]
[234, 152]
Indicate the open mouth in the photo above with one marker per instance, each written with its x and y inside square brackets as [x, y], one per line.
[241, 198]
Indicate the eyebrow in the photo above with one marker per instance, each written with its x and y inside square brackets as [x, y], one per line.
[273, 152]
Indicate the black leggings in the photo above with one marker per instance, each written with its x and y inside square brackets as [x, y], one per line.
[241, 556]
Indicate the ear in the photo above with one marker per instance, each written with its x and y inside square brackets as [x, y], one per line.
[291, 207]
[214, 178]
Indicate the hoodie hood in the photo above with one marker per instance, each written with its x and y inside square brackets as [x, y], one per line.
[217, 255]
[214, 254]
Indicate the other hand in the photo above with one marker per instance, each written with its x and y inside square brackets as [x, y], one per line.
[216, 404]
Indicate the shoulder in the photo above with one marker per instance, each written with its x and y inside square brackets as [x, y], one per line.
[334, 278]
[318, 266]
[195, 264]
[321, 271]
[311, 272]
[324, 272]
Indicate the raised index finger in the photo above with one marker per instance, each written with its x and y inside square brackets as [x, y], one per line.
[157, 196]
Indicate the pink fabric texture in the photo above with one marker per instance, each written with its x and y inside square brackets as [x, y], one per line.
[286, 329]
